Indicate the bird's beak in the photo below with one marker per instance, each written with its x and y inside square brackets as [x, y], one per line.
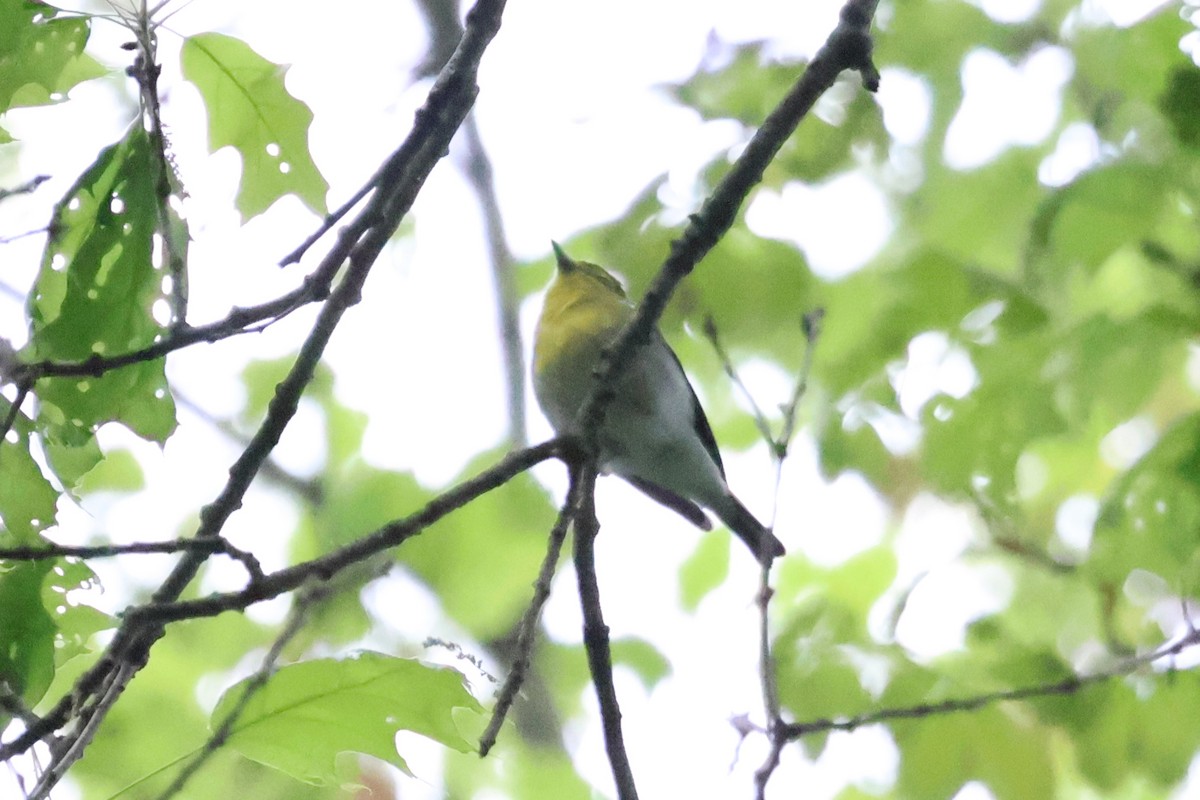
[564, 261]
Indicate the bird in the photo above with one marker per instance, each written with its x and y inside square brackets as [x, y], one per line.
[654, 433]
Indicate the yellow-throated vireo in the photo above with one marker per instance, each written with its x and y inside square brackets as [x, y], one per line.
[654, 434]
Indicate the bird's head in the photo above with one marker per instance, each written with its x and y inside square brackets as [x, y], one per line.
[570, 268]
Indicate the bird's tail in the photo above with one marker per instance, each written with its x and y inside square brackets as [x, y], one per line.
[757, 537]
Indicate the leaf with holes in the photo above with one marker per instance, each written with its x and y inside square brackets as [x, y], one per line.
[41, 56]
[251, 110]
[96, 294]
[27, 632]
[27, 500]
[310, 713]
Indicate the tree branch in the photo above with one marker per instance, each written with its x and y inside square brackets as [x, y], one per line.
[595, 632]
[528, 628]
[848, 47]
[326, 566]
[1066, 686]
[295, 622]
[405, 172]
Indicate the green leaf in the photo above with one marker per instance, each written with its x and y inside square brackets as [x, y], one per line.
[1129, 65]
[646, 660]
[939, 754]
[1083, 223]
[973, 443]
[516, 770]
[705, 569]
[75, 621]
[118, 471]
[872, 316]
[482, 559]
[1179, 103]
[28, 503]
[310, 713]
[1150, 517]
[27, 631]
[41, 54]
[131, 760]
[95, 295]
[745, 88]
[250, 109]
[71, 453]
[981, 217]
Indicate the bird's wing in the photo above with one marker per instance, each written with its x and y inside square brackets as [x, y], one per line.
[699, 420]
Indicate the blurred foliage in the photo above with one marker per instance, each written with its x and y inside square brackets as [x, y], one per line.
[1068, 300]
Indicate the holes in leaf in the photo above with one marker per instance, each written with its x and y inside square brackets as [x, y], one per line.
[116, 205]
[74, 204]
[273, 150]
[58, 262]
[107, 262]
[285, 167]
[12, 437]
[161, 311]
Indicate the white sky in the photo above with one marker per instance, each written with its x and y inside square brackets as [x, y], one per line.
[571, 145]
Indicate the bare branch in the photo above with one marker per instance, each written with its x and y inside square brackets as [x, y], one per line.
[326, 566]
[848, 47]
[41, 552]
[1066, 686]
[295, 622]
[527, 630]
[595, 632]
[28, 187]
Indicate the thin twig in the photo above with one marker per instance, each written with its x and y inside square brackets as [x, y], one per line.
[251, 319]
[14, 237]
[760, 419]
[1066, 686]
[595, 632]
[527, 630]
[331, 219]
[42, 552]
[145, 70]
[257, 682]
[324, 567]
[28, 187]
[311, 490]
[508, 303]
